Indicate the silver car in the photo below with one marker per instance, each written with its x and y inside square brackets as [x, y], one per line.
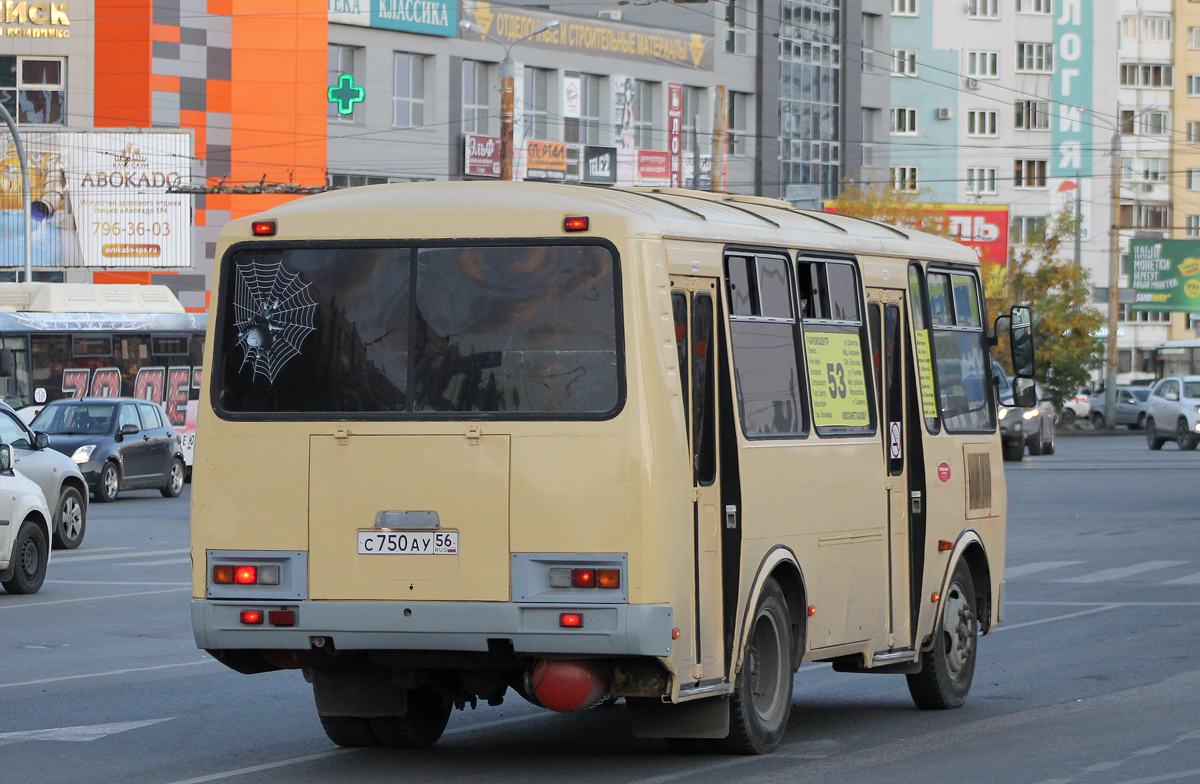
[1131, 407]
[56, 474]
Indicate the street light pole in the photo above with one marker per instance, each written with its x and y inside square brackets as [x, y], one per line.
[507, 77]
[26, 193]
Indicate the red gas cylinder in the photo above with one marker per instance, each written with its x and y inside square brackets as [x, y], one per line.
[566, 686]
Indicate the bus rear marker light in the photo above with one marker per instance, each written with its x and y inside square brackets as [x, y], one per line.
[251, 616]
[268, 575]
[944, 545]
[263, 228]
[934, 597]
[281, 617]
[223, 574]
[608, 578]
[579, 223]
[583, 578]
[571, 620]
[812, 609]
[674, 634]
[246, 575]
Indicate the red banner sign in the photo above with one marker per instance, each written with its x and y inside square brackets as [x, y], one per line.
[675, 132]
[653, 165]
[482, 156]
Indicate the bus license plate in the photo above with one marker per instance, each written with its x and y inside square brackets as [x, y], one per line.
[407, 543]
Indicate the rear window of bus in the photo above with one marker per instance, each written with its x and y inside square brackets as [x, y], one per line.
[518, 331]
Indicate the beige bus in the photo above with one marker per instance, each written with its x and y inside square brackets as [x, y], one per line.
[590, 444]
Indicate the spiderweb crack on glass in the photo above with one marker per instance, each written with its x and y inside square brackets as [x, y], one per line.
[273, 314]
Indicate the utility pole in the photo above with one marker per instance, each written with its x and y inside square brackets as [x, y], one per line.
[507, 77]
[1078, 219]
[720, 126]
[26, 193]
[695, 152]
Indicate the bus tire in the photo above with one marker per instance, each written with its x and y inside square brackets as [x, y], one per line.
[110, 483]
[762, 698]
[1014, 451]
[949, 665]
[349, 731]
[420, 727]
[30, 554]
[174, 485]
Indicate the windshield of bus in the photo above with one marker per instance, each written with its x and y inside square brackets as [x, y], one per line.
[74, 419]
[396, 332]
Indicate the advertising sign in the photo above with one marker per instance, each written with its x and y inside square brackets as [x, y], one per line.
[624, 99]
[99, 200]
[705, 172]
[983, 227]
[545, 160]
[571, 97]
[481, 155]
[1165, 275]
[1072, 88]
[675, 132]
[36, 20]
[600, 165]
[430, 17]
[653, 167]
[586, 35]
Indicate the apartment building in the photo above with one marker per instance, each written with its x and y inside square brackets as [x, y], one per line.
[1185, 142]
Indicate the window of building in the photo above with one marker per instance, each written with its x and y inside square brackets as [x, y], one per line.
[1193, 132]
[341, 63]
[811, 107]
[737, 27]
[981, 181]
[904, 7]
[1193, 85]
[983, 9]
[1154, 170]
[1155, 124]
[1029, 174]
[739, 140]
[643, 115]
[1141, 316]
[535, 103]
[762, 329]
[1148, 75]
[1193, 225]
[961, 358]
[904, 178]
[408, 97]
[1026, 229]
[904, 62]
[1193, 38]
[1035, 6]
[870, 54]
[983, 65]
[476, 92]
[354, 180]
[34, 89]
[1193, 179]
[1035, 57]
[904, 120]
[1145, 216]
[1156, 28]
[982, 122]
[1032, 115]
[589, 108]
[693, 110]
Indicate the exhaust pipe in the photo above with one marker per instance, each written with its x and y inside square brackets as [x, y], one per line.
[566, 686]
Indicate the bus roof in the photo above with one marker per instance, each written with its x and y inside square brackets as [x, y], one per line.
[478, 209]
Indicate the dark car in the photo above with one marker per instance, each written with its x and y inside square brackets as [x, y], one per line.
[119, 443]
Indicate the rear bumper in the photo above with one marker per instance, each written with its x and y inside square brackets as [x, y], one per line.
[608, 630]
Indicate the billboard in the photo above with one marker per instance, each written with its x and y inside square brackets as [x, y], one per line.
[429, 17]
[545, 160]
[1165, 275]
[982, 227]
[99, 200]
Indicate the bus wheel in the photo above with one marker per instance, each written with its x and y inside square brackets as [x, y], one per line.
[948, 666]
[349, 731]
[110, 483]
[762, 700]
[420, 727]
[1014, 450]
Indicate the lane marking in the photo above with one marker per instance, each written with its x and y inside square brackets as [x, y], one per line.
[1007, 627]
[1105, 604]
[168, 562]
[1183, 774]
[77, 734]
[1040, 566]
[1122, 571]
[111, 556]
[88, 599]
[1191, 579]
[341, 752]
[40, 681]
[107, 582]
[80, 553]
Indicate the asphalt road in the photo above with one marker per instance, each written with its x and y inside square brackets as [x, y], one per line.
[1094, 676]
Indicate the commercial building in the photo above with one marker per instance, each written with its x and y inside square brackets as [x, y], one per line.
[1185, 139]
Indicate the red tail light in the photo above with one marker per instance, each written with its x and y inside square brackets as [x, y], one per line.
[583, 578]
[246, 575]
[575, 224]
[281, 617]
[570, 620]
[263, 228]
[251, 616]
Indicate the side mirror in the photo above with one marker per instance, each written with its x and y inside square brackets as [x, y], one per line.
[7, 363]
[1020, 340]
[5, 458]
[129, 430]
[41, 441]
[1024, 393]
[1172, 396]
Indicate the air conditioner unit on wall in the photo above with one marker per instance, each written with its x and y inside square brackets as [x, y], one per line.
[944, 113]
[1147, 187]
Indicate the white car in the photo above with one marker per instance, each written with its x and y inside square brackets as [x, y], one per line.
[24, 529]
[1076, 407]
[58, 475]
[1173, 411]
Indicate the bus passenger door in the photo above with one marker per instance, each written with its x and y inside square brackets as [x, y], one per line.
[888, 325]
[694, 304]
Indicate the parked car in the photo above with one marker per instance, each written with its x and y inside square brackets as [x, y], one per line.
[1078, 406]
[25, 541]
[119, 444]
[59, 477]
[1022, 428]
[1131, 407]
[1173, 408]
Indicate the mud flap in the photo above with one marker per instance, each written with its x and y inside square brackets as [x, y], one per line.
[702, 718]
[365, 691]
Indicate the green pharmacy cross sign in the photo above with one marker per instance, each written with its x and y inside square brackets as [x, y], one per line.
[346, 93]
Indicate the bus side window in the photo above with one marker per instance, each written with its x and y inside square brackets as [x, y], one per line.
[704, 442]
[679, 310]
[960, 356]
[921, 347]
[835, 348]
[763, 331]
